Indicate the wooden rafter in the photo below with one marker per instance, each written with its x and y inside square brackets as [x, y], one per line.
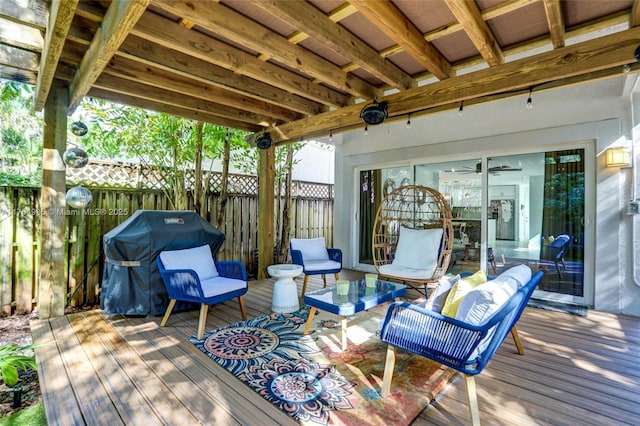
[120, 18]
[555, 19]
[177, 98]
[150, 75]
[395, 25]
[161, 31]
[564, 63]
[227, 23]
[310, 20]
[468, 15]
[118, 96]
[634, 19]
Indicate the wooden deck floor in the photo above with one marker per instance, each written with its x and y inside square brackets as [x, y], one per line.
[109, 370]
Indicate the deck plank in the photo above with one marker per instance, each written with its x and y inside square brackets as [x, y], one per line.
[576, 370]
[127, 399]
[62, 407]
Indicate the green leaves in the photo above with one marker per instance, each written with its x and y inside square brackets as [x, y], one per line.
[11, 359]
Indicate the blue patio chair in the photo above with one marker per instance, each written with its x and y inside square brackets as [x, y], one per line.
[556, 251]
[465, 347]
[192, 275]
[315, 258]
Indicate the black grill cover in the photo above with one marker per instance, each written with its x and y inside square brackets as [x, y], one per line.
[131, 283]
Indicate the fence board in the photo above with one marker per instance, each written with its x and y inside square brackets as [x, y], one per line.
[84, 261]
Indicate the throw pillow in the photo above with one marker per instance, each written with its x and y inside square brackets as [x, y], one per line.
[439, 297]
[418, 248]
[311, 248]
[198, 258]
[460, 290]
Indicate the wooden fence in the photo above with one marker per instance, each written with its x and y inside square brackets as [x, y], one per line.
[311, 216]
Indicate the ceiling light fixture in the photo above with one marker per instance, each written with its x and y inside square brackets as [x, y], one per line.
[529, 101]
[461, 109]
[366, 129]
[330, 135]
[409, 121]
[375, 113]
[264, 141]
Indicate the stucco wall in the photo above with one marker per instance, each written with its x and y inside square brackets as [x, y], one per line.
[599, 113]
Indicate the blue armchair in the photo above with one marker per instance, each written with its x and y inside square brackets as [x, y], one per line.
[556, 251]
[192, 275]
[466, 346]
[315, 258]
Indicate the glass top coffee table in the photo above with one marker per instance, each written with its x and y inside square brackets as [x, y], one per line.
[359, 298]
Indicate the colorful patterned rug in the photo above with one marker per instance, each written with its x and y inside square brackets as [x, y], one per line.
[312, 380]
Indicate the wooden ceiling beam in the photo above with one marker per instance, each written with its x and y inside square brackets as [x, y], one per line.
[133, 101]
[60, 18]
[390, 20]
[268, 99]
[308, 19]
[177, 99]
[582, 59]
[634, 18]
[121, 16]
[555, 20]
[33, 13]
[237, 28]
[171, 35]
[17, 74]
[150, 75]
[468, 15]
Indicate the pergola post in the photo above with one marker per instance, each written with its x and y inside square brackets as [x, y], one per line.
[266, 191]
[51, 287]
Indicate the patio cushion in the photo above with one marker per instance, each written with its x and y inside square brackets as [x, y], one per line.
[460, 290]
[198, 259]
[418, 249]
[483, 301]
[321, 265]
[439, 297]
[392, 270]
[221, 285]
[311, 248]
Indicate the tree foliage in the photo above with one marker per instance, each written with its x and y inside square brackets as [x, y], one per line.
[21, 134]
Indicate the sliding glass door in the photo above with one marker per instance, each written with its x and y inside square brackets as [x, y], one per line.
[536, 211]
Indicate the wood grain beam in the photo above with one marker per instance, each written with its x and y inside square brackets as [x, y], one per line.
[571, 62]
[233, 26]
[178, 99]
[555, 20]
[148, 74]
[121, 16]
[33, 13]
[468, 15]
[60, 18]
[51, 282]
[17, 74]
[634, 18]
[133, 101]
[388, 18]
[171, 35]
[308, 19]
[18, 58]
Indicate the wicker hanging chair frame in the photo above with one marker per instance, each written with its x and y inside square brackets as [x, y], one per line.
[416, 207]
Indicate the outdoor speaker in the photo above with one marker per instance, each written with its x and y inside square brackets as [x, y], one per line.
[264, 141]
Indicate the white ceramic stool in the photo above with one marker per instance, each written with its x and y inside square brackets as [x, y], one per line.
[285, 291]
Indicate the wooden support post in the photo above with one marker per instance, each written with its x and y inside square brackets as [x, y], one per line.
[266, 183]
[51, 287]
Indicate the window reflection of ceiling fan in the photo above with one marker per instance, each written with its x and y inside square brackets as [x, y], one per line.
[478, 169]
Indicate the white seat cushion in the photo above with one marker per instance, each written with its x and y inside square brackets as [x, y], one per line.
[392, 270]
[197, 258]
[418, 249]
[321, 265]
[311, 248]
[220, 285]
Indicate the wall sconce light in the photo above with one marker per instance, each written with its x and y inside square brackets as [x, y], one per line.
[618, 157]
